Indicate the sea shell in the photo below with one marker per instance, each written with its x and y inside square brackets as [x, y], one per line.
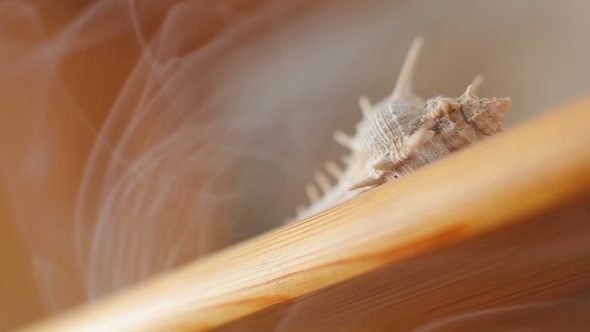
[401, 134]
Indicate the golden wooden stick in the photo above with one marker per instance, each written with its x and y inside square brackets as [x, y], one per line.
[443, 240]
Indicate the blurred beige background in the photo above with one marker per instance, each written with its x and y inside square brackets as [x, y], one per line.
[136, 136]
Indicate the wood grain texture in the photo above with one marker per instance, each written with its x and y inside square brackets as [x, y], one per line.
[501, 223]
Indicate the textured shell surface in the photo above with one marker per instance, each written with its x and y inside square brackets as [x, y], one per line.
[403, 133]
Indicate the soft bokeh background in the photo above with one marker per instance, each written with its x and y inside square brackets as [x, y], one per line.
[138, 135]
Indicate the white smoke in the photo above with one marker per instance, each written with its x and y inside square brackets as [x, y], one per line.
[139, 136]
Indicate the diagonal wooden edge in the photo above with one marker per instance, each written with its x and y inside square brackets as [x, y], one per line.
[522, 173]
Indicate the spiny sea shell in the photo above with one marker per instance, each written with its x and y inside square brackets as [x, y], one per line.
[401, 134]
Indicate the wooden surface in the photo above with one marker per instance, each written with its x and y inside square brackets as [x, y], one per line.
[500, 224]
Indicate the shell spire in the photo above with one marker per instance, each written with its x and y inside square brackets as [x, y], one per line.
[469, 94]
[476, 83]
[369, 181]
[404, 86]
[365, 105]
[344, 140]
